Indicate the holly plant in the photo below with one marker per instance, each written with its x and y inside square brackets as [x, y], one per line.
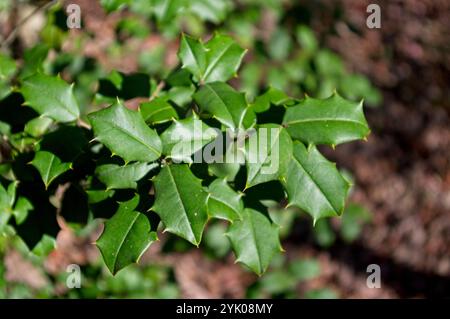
[194, 150]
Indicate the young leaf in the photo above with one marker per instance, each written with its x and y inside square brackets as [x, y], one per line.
[225, 104]
[126, 236]
[49, 166]
[125, 133]
[185, 137]
[50, 96]
[314, 184]
[157, 111]
[181, 202]
[223, 201]
[121, 177]
[331, 121]
[268, 154]
[255, 240]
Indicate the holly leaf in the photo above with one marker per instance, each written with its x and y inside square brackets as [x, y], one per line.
[217, 60]
[314, 184]
[125, 133]
[126, 236]
[122, 177]
[225, 104]
[185, 137]
[49, 166]
[38, 126]
[50, 96]
[157, 111]
[268, 153]
[255, 240]
[224, 170]
[271, 96]
[331, 121]
[223, 56]
[181, 202]
[193, 56]
[223, 201]
[21, 209]
[228, 164]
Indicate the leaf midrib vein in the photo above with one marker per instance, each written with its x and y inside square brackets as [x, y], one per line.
[317, 185]
[128, 133]
[124, 238]
[326, 120]
[212, 65]
[180, 200]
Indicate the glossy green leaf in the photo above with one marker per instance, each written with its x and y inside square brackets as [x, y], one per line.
[49, 166]
[185, 137]
[157, 111]
[50, 96]
[217, 60]
[268, 153]
[223, 56]
[225, 104]
[34, 58]
[227, 165]
[126, 236]
[38, 126]
[21, 209]
[97, 196]
[255, 240]
[329, 121]
[223, 201]
[193, 56]
[224, 170]
[314, 184]
[125, 133]
[271, 96]
[121, 177]
[181, 202]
